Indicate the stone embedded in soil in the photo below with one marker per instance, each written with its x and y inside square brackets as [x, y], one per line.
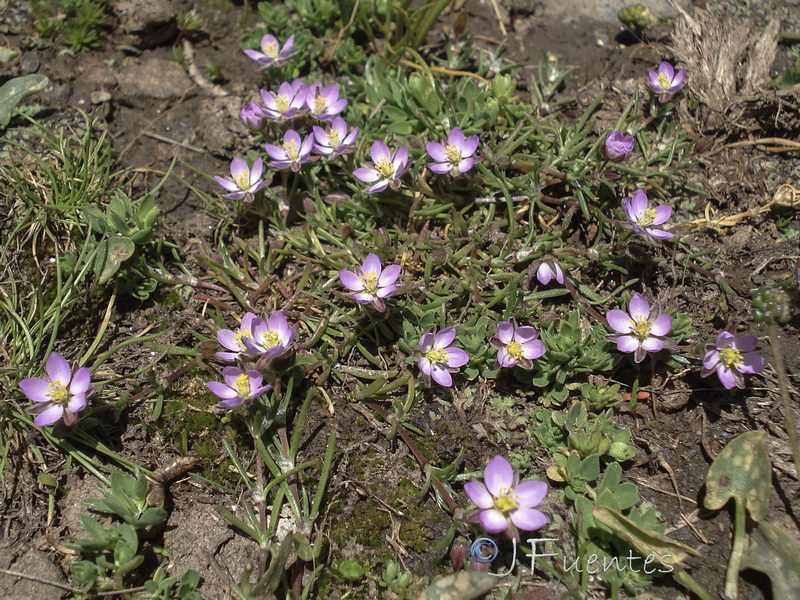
[146, 23]
[154, 78]
[36, 563]
[571, 11]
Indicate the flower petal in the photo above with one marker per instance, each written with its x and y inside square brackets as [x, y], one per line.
[627, 343]
[372, 264]
[479, 495]
[441, 375]
[48, 415]
[746, 343]
[619, 321]
[350, 280]
[528, 519]
[493, 521]
[456, 357]
[444, 338]
[530, 493]
[505, 331]
[639, 307]
[389, 275]
[498, 475]
[57, 369]
[35, 388]
[662, 325]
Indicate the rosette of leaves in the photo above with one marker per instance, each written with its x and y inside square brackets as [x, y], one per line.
[569, 353]
[123, 244]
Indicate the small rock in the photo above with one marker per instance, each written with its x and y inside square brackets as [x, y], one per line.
[99, 97]
[154, 78]
[56, 94]
[147, 23]
[29, 63]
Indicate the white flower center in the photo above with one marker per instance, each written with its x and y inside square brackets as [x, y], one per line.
[334, 138]
[385, 168]
[506, 501]
[370, 281]
[664, 82]
[270, 49]
[292, 150]
[453, 154]
[242, 385]
[57, 392]
[242, 179]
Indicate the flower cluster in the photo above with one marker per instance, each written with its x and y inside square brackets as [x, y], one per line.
[256, 338]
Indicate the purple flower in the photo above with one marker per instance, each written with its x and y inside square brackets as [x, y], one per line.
[643, 218]
[240, 387]
[730, 357]
[271, 51]
[294, 152]
[370, 282]
[61, 391]
[503, 503]
[642, 331]
[334, 140]
[252, 116]
[387, 167]
[436, 358]
[235, 340]
[617, 146]
[549, 269]
[456, 156]
[291, 97]
[666, 82]
[272, 337]
[324, 103]
[244, 182]
[517, 345]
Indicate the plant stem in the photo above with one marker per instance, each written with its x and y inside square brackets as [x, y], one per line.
[783, 383]
[737, 552]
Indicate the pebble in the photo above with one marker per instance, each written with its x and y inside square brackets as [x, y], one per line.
[29, 63]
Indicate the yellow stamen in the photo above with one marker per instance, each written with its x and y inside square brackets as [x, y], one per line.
[370, 281]
[242, 179]
[292, 150]
[239, 337]
[334, 139]
[319, 104]
[514, 350]
[283, 103]
[648, 217]
[385, 168]
[436, 357]
[453, 154]
[242, 385]
[731, 357]
[505, 502]
[664, 82]
[270, 49]
[57, 392]
[271, 339]
[641, 329]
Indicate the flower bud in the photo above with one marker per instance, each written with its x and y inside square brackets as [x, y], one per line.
[771, 305]
[617, 146]
[252, 116]
[636, 18]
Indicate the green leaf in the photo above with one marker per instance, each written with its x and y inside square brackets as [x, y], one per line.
[152, 516]
[649, 543]
[47, 479]
[96, 218]
[774, 553]
[742, 471]
[13, 92]
[350, 570]
[304, 549]
[117, 249]
[466, 585]
[590, 468]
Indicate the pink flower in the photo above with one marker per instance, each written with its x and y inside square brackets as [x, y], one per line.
[271, 51]
[244, 182]
[271, 338]
[641, 331]
[643, 218]
[436, 357]
[516, 345]
[503, 504]
[235, 340]
[240, 387]
[290, 98]
[549, 269]
[292, 153]
[730, 357]
[370, 282]
[666, 82]
[324, 103]
[334, 140]
[62, 392]
[456, 156]
[387, 167]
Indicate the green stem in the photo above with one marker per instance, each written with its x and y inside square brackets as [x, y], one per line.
[737, 552]
[788, 411]
[691, 583]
